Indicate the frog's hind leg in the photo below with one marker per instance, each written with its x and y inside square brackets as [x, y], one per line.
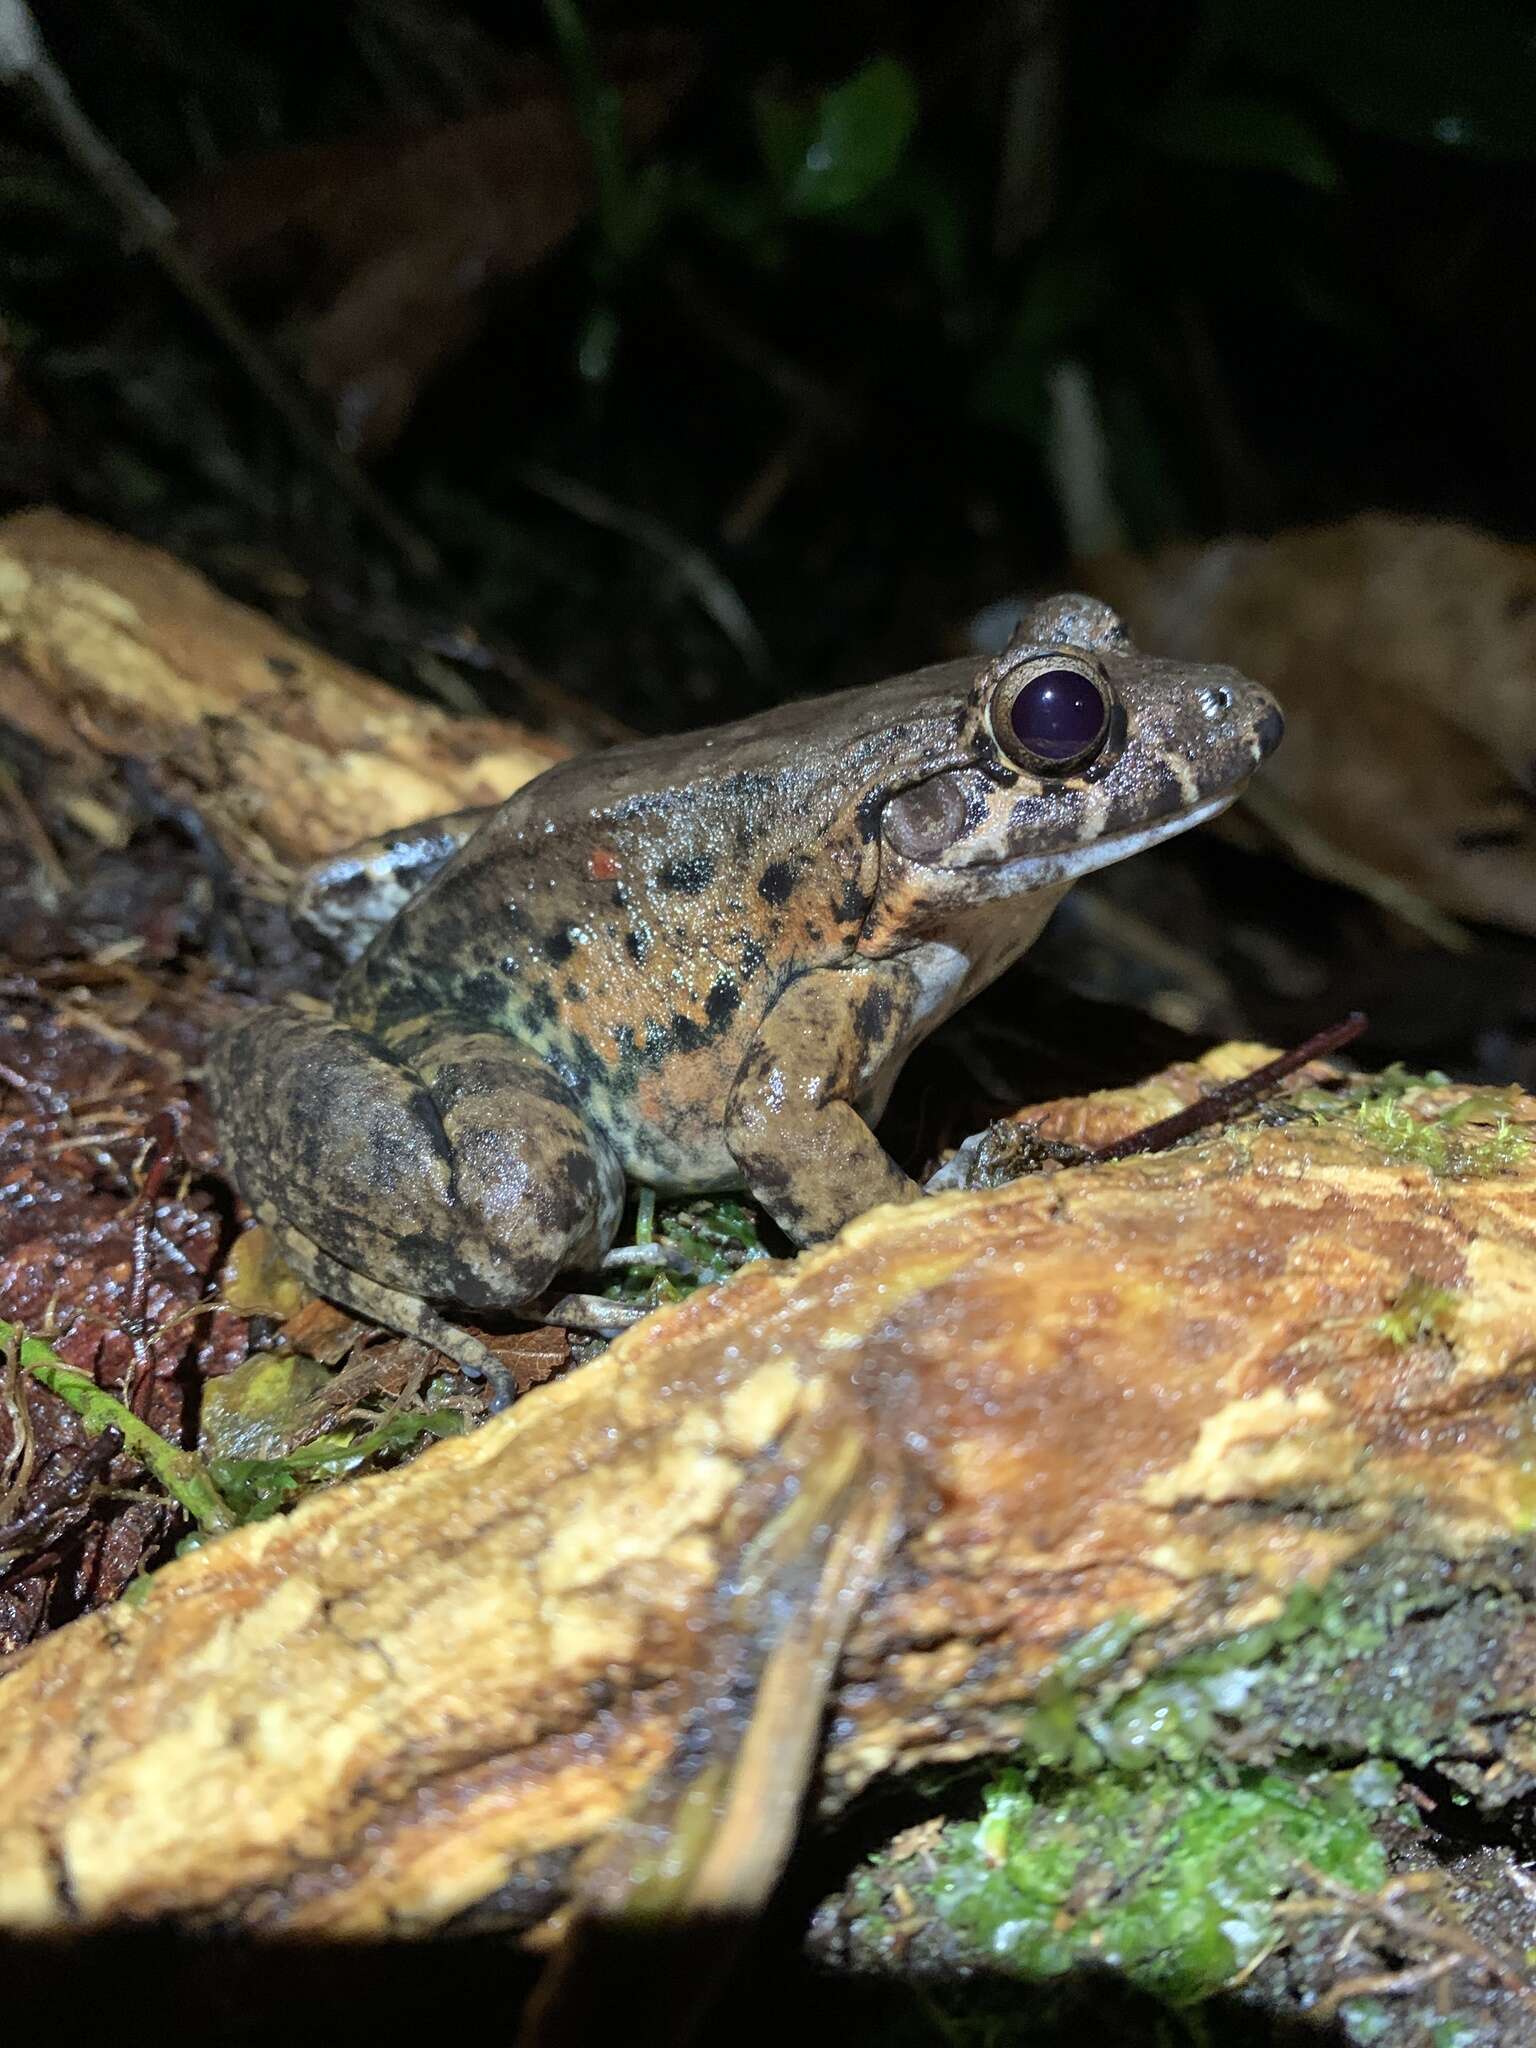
[394, 1309]
[447, 1169]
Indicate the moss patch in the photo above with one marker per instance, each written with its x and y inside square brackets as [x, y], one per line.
[1401, 1116]
[1398, 1655]
[1168, 1881]
[682, 1244]
[1419, 1312]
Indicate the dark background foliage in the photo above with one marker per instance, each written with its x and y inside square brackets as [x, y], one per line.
[813, 328]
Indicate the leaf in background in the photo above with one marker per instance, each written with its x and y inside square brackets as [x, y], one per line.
[1404, 653]
[1458, 73]
[826, 159]
[1245, 132]
[378, 253]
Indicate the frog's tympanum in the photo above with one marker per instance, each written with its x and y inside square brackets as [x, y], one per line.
[697, 963]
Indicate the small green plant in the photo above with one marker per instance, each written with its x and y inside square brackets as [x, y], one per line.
[257, 1488]
[1420, 1311]
[1460, 1141]
[678, 1246]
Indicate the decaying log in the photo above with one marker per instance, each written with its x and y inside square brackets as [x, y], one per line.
[111, 651]
[1150, 1399]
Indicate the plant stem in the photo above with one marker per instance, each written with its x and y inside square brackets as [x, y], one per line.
[182, 1473]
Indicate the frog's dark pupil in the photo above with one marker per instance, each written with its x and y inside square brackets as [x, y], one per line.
[1058, 715]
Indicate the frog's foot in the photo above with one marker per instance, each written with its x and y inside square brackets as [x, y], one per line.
[449, 1169]
[396, 1310]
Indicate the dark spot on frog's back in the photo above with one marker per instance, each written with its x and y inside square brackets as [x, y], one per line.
[558, 947]
[483, 994]
[590, 1063]
[637, 944]
[689, 876]
[851, 906]
[687, 1034]
[776, 884]
[722, 1002]
[541, 1007]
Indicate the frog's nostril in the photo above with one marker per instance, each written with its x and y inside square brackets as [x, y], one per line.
[1269, 731]
[1215, 700]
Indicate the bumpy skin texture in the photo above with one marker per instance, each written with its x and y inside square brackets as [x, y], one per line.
[696, 963]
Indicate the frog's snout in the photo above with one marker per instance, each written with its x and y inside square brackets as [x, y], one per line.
[1269, 730]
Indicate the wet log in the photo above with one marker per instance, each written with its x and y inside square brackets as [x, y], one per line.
[981, 1454]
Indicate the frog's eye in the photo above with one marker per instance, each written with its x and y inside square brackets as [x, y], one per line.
[1051, 714]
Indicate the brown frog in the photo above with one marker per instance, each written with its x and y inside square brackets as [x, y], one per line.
[697, 963]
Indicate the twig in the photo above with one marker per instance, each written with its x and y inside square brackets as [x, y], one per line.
[13, 1483]
[772, 480]
[182, 1473]
[1436, 1934]
[151, 226]
[1386, 1983]
[1232, 1096]
[717, 595]
[160, 1150]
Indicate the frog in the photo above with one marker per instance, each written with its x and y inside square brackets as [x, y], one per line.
[694, 965]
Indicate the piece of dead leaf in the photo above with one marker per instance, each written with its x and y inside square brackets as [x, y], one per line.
[384, 249]
[1404, 654]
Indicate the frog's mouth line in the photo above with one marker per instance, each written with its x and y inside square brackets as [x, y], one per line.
[1046, 870]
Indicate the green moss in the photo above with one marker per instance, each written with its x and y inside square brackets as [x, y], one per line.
[1472, 1137]
[1447, 1144]
[256, 1488]
[1420, 1311]
[1398, 1655]
[696, 1242]
[1171, 1882]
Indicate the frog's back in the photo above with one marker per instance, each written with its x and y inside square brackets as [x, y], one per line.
[632, 915]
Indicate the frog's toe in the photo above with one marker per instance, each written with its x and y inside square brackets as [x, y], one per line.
[396, 1310]
[455, 1171]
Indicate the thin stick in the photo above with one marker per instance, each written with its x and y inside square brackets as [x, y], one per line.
[716, 594]
[1232, 1096]
[151, 226]
[182, 1473]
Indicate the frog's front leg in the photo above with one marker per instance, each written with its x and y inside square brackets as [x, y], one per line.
[445, 1164]
[792, 1122]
